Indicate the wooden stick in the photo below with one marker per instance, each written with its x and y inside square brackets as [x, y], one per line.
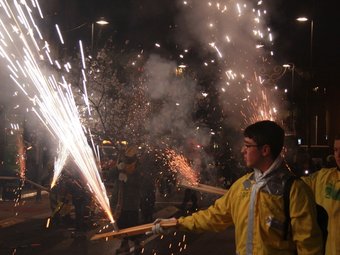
[137, 230]
[204, 188]
[219, 191]
[26, 180]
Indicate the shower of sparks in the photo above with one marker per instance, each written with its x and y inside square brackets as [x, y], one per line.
[21, 161]
[245, 23]
[263, 109]
[21, 155]
[179, 164]
[259, 109]
[59, 163]
[20, 41]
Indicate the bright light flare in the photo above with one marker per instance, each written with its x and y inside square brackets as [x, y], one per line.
[302, 19]
[53, 100]
[59, 163]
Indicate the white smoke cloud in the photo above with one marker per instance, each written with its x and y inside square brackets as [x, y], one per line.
[173, 99]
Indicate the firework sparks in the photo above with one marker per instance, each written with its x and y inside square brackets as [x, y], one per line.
[53, 100]
[21, 155]
[235, 58]
[59, 163]
[179, 164]
[60, 35]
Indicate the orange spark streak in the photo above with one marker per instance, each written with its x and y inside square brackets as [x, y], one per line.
[179, 164]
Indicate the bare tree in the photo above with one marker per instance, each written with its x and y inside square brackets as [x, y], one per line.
[115, 93]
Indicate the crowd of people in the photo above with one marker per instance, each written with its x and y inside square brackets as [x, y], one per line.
[255, 203]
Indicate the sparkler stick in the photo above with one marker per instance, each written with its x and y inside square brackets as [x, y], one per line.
[204, 188]
[137, 230]
[26, 180]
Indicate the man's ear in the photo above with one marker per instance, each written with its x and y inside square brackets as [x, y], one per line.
[265, 150]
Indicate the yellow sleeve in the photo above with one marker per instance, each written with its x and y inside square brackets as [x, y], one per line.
[311, 180]
[216, 218]
[305, 229]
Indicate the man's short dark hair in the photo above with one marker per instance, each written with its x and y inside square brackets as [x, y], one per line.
[267, 132]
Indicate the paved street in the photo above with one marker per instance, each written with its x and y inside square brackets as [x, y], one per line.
[23, 231]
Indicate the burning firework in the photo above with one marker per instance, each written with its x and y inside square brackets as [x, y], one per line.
[23, 48]
[59, 163]
[179, 164]
[21, 155]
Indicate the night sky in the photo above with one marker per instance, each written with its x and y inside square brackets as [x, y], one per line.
[293, 38]
[144, 22]
[141, 24]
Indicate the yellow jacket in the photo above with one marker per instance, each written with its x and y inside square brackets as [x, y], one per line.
[326, 187]
[259, 225]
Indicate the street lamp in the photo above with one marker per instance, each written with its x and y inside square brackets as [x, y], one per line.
[305, 19]
[291, 67]
[100, 22]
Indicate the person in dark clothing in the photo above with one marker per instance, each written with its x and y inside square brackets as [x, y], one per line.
[70, 190]
[125, 200]
[148, 199]
[189, 195]
[80, 201]
[148, 187]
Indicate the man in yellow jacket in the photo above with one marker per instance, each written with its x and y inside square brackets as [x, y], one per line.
[254, 203]
[326, 188]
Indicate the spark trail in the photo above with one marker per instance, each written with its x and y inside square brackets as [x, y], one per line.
[179, 164]
[26, 54]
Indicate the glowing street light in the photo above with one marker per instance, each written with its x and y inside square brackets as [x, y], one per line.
[305, 19]
[291, 67]
[302, 19]
[102, 22]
